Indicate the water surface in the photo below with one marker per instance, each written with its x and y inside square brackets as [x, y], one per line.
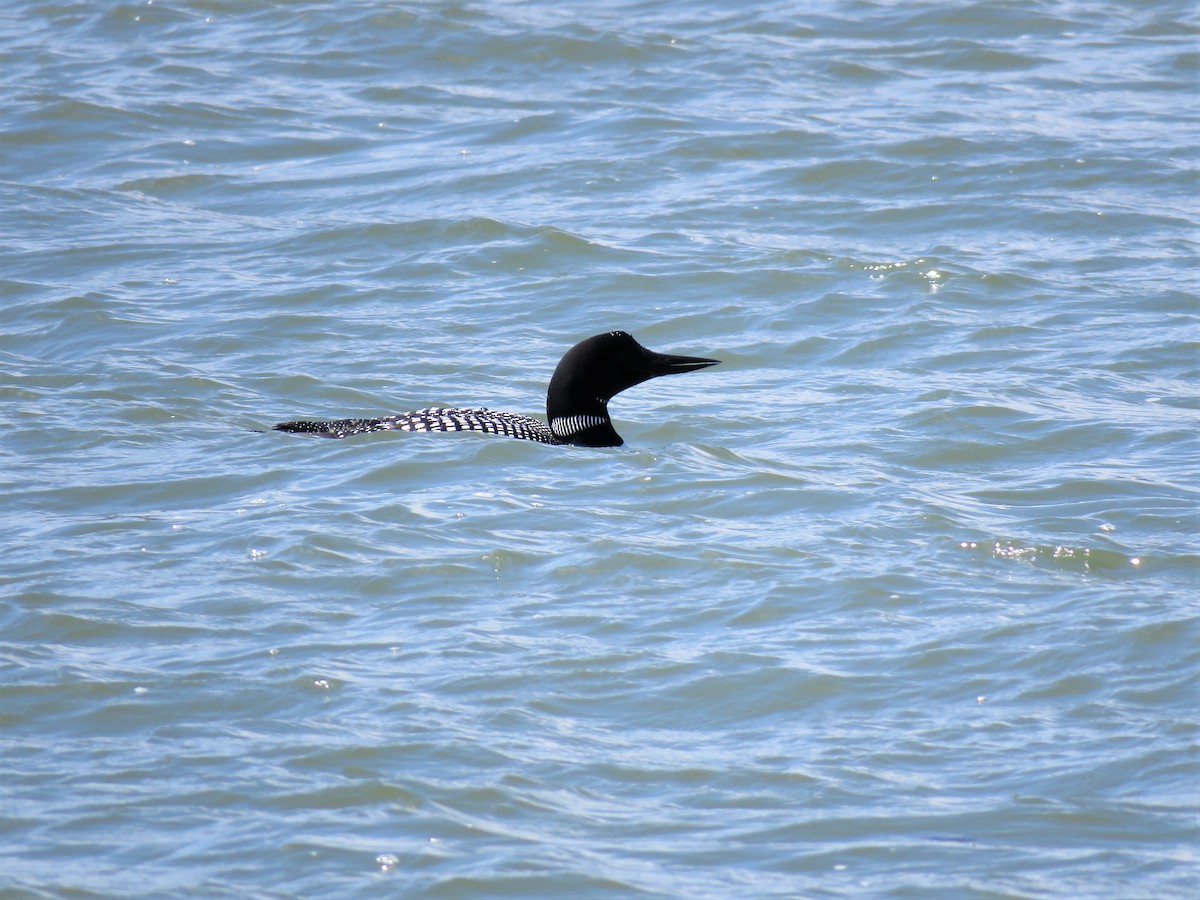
[899, 601]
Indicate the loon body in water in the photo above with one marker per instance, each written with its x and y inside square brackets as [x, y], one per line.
[588, 376]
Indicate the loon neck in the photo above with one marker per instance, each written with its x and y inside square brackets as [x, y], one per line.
[586, 429]
[577, 405]
[581, 421]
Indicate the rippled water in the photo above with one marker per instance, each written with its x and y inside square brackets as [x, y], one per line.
[901, 600]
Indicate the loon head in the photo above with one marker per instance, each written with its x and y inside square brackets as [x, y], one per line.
[592, 373]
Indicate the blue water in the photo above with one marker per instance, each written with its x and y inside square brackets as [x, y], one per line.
[901, 600]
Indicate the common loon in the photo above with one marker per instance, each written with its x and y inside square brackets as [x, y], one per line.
[587, 377]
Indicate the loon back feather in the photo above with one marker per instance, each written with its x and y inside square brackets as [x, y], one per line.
[586, 378]
[435, 418]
